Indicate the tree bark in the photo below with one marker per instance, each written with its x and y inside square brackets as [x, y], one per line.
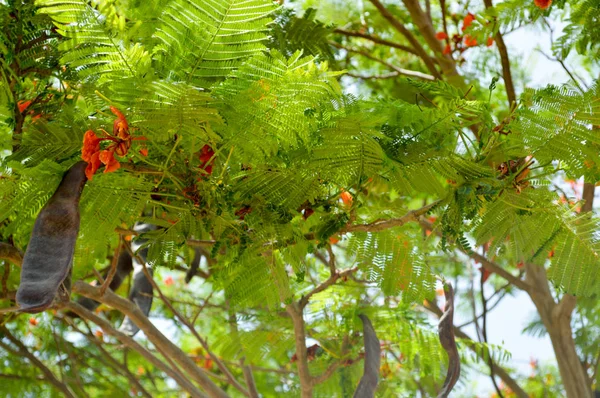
[557, 320]
[306, 382]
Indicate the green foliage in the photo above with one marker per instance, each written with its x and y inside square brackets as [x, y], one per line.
[251, 140]
[582, 32]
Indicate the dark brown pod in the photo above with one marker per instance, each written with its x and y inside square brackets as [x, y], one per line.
[446, 333]
[47, 260]
[193, 266]
[368, 382]
[141, 288]
[124, 268]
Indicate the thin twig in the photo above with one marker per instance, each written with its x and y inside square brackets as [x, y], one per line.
[24, 351]
[377, 226]
[113, 268]
[11, 253]
[400, 71]
[399, 26]
[152, 333]
[485, 262]
[187, 323]
[108, 329]
[377, 40]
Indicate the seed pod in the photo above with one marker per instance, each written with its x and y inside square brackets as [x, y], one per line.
[193, 266]
[368, 382]
[124, 268]
[47, 260]
[446, 333]
[141, 289]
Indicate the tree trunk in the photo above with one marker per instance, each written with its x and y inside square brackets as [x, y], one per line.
[557, 320]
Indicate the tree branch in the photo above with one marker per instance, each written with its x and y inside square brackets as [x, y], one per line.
[487, 264]
[409, 36]
[134, 345]
[377, 40]
[11, 253]
[24, 351]
[420, 18]
[306, 381]
[249, 377]
[377, 226]
[400, 71]
[232, 381]
[153, 334]
[330, 281]
[506, 74]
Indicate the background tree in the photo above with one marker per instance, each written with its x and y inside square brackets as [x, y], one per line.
[264, 208]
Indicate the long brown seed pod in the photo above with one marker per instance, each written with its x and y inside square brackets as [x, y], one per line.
[193, 266]
[47, 260]
[124, 268]
[446, 333]
[141, 288]
[368, 382]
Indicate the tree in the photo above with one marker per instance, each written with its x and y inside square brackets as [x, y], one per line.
[245, 212]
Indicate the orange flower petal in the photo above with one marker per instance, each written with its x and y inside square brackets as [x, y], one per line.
[347, 198]
[543, 4]
[93, 165]
[441, 36]
[144, 152]
[470, 41]
[490, 41]
[467, 21]
[120, 126]
[91, 145]
[23, 105]
[108, 158]
[447, 49]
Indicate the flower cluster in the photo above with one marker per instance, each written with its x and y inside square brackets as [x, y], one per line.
[461, 42]
[120, 142]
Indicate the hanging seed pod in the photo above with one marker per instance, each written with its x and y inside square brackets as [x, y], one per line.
[193, 266]
[446, 333]
[47, 260]
[368, 382]
[141, 288]
[124, 268]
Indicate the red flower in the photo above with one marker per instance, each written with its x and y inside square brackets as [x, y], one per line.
[347, 198]
[447, 49]
[93, 165]
[441, 36]
[169, 281]
[91, 145]
[206, 154]
[241, 213]
[485, 274]
[467, 21]
[307, 213]
[120, 126]
[108, 158]
[23, 105]
[490, 41]
[543, 4]
[120, 144]
[470, 41]
[33, 321]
